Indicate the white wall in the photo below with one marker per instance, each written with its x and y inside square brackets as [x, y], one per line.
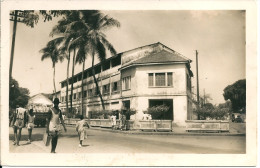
[180, 110]
[179, 85]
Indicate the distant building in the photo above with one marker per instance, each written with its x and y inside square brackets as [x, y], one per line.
[139, 78]
[40, 102]
[57, 95]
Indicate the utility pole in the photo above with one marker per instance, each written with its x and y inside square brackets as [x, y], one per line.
[16, 16]
[197, 72]
[204, 99]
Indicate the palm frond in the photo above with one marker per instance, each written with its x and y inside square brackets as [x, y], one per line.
[108, 45]
[100, 50]
[107, 22]
[81, 55]
[45, 55]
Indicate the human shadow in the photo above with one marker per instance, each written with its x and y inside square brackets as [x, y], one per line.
[85, 145]
[24, 144]
[35, 137]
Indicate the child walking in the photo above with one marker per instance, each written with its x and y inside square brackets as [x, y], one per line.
[81, 130]
[30, 125]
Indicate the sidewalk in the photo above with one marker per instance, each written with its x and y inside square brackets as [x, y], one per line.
[235, 130]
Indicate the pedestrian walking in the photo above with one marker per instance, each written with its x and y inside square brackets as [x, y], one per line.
[30, 124]
[11, 116]
[53, 124]
[18, 123]
[123, 122]
[82, 133]
[113, 121]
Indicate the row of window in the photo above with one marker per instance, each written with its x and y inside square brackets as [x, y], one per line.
[154, 80]
[160, 79]
[88, 73]
[93, 91]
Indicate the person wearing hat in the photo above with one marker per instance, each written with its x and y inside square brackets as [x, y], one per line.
[53, 124]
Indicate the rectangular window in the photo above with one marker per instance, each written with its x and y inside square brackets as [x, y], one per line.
[90, 93]
[85, 75]
[79, 95]
[150, 78]
[74, 96]
[94, 91]
[115, 87]
[106, 89]
[116, 61]
[160, 79]
[106, 65]
[85, 93]
[126, 83]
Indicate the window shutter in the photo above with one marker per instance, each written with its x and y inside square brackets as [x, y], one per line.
[169, 78]
[150, 79]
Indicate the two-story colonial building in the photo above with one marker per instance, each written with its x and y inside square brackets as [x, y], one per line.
[139, 78]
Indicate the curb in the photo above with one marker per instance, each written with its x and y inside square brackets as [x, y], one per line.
[167, 133]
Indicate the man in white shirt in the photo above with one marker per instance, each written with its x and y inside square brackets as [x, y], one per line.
[18, 123]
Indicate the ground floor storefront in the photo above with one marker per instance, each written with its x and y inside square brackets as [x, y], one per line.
[179, 110]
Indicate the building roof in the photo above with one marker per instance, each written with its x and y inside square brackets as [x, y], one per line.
[40, 98]
[161, 57]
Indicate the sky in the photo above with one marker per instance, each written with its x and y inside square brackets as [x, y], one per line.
[218, 36]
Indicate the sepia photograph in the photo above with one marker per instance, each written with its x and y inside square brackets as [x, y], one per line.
[99, 85]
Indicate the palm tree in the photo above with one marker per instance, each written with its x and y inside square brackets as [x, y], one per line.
[64, 28]
[51, 51]
[80, 58]
[85, 28]
[98, 22]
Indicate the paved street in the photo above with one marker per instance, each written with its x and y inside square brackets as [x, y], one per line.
[111, 142]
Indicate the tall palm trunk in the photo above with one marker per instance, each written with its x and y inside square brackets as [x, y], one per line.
[54, 81]
[82, 88]
[72, 77]
[95, 80]
[67, 86]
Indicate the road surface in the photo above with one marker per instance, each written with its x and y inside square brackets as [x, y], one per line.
[110, 142]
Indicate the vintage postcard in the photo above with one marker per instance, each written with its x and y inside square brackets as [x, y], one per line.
[134, 83]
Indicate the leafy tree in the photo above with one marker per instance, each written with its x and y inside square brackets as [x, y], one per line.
[236, 93]
[212, 113]
[128, 112]
[17, 95]
[158, 112]
[52, 52]
[227, 104]
[208, 106]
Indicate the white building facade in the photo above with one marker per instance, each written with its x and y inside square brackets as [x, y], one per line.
[138, 79]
